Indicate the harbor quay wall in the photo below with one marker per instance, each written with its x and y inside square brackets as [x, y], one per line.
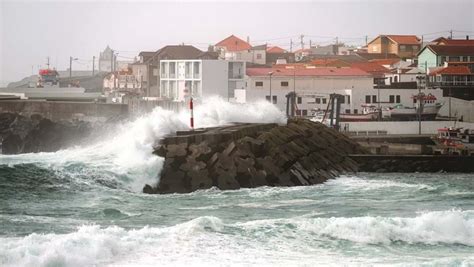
[64, 110]
[251, 155]
[400, 127]
[414, 163]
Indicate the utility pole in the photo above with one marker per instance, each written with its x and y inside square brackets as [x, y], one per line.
[337, 40]
[310, 44]
[70, 67]
[302, 41]
[420, 100]
[47, 64]
[291, 45]
[366, 40]
[111, 60]
[451, 34]
[93, 65]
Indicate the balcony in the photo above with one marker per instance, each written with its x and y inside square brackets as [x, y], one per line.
[451, 84]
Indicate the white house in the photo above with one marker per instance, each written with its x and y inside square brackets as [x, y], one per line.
[200, 78]
[234, 48]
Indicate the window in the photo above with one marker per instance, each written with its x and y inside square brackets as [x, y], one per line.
[324, 100]
[403, 48]
[318, 100]
[398, 99]
[274, 97]
[259, 56]
[187, 69]
[343, 100]
[356, 111]
[284, 84]
[267, 97]
[258, 84]
[298, 112]
[348, 111]
[392, 99]
[374, 99]
[414, 100]
[367, 99]
[414, 48]
[348, 99]
[299, 100]
[305, 112]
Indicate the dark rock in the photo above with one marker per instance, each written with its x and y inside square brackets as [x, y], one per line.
[36, 134]
[147, 189]
[251, 155]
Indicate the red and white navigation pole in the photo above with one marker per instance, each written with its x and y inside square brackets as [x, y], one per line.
[191, 121]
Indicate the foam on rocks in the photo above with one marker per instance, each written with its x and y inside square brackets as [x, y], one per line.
[250, 155]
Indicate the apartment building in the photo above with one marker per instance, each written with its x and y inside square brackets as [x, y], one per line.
[200, 78]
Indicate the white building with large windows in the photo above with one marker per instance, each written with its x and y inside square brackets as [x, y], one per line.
[200, 78]
[314, 85]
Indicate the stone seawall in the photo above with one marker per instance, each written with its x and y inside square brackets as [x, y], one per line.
[414, 163]
[251, 155]
[57, 110]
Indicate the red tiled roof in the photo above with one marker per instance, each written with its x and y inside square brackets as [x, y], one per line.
[371, 56]
[233, 43]
[452, 50]
[331, 62]
[371, 67]
[446, 41]
[276, 50]
[456, 70]
[306, 72]
[405, 39]
[291, 66]
[385, 61]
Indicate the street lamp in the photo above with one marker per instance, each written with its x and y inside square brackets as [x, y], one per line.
[270, 74]
[70, 65]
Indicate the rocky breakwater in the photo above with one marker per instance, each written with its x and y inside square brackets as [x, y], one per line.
[251, 155]
[27, 134]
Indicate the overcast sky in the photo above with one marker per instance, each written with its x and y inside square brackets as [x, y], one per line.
[30, 31]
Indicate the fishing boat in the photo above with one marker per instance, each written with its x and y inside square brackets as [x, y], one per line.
[48, 78]
[369, 113]
[454, 141]
[429, 109]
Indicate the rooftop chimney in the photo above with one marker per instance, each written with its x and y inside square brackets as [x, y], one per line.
[467, 37]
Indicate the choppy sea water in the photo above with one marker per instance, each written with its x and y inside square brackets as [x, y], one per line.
[83, 207]
[52, 219]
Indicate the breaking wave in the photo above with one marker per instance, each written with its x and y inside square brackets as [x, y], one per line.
[208, 240]
[126, 154]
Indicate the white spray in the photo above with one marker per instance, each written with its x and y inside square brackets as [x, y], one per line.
[128, 153]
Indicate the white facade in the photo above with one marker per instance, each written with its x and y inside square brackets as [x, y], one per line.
[200, 78]
[121, 82]
[256, 56]
[314, 92]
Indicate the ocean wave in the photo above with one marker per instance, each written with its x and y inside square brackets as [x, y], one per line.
[208, 240]
[435, 227]
[126, 157]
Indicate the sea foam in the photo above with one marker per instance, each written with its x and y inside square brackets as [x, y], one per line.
[209, 240]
